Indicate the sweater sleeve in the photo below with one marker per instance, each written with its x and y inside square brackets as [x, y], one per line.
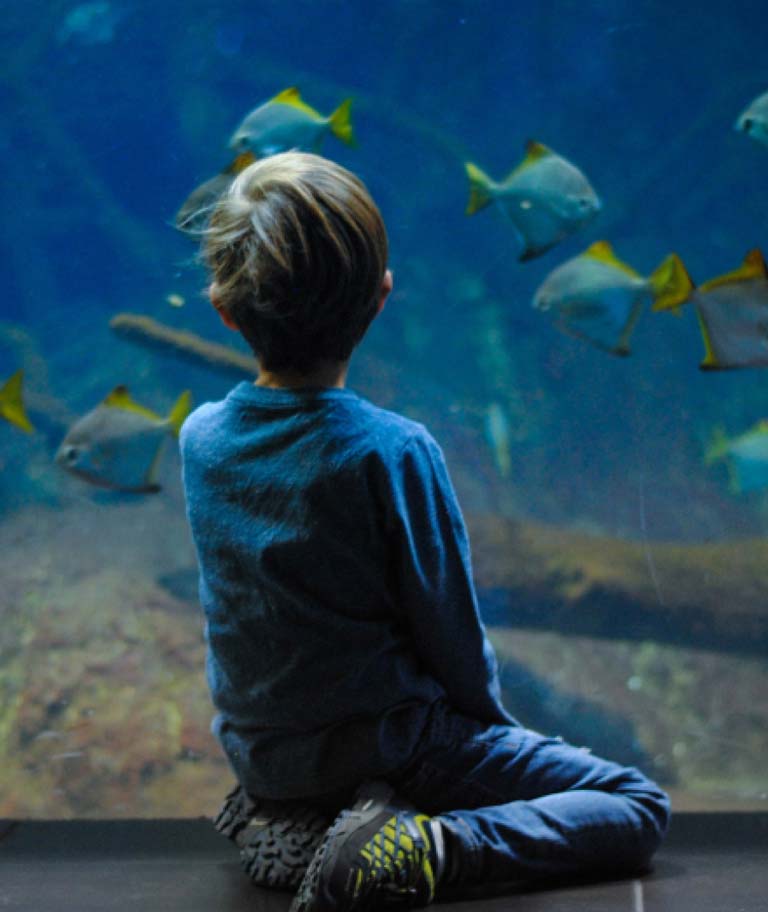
[432, 577]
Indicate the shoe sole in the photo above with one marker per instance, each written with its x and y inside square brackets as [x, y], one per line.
[276, 843]
[313, 895]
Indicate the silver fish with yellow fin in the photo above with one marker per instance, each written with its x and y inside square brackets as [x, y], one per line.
[733, 316]
[597, 297]
[754, 119]
[12, 403]
[546, 198]
[196, 208]
[747, 457]
[287, 122]
[119, 444]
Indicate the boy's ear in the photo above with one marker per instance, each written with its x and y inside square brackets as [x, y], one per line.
[220, 309]
[387, 284]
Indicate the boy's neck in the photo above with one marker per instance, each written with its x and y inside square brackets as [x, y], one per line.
[332, 374]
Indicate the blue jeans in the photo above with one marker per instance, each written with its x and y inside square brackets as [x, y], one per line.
[517, 806]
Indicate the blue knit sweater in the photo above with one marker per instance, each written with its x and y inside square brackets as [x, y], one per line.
[336, 584]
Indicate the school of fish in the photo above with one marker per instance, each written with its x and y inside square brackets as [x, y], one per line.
[546, 198]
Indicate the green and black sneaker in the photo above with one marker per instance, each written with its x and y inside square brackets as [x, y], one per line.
[382, 850]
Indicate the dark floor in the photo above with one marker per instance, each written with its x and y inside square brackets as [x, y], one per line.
[709, 863]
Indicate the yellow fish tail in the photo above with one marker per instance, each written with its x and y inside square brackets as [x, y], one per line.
[12, 404]
[717, 448]
[670, 284]
[479, 189]
[179, 412]
[341, 123]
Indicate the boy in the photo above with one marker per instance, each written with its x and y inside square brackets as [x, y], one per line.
[346, 656]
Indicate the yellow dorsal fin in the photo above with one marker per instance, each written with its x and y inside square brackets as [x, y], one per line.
[120, 398]
[292, 97]
[534, 152]
[288, 95]
[602, 251]
[535, 149]
[240, 163]
[180, 410]
[753, 267]
[12, 404]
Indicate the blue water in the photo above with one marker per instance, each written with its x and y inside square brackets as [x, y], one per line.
[108, 129]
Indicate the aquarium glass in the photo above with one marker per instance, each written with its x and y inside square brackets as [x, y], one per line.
[602, 426]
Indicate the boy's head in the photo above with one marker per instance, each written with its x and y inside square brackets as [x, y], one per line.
[298, 254]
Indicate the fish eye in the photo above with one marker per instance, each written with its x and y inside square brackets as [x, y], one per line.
[71, 454]
[747, 124]
[584, 203]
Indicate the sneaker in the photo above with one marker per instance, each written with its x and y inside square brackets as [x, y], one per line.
[235, 813]
[277, 840]
[381, 849]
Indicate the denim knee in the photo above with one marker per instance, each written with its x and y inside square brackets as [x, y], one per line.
[651, 802]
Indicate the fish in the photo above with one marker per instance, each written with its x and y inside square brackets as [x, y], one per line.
[546, 198]
[498, 434]
[746, 454]
[598, 298]
[287, 122]
[175, 300]
[118, 445]
[12, 402]
[197, 207]
[732, 311]
[753, 120]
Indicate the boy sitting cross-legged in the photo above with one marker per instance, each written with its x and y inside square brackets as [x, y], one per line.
[346, 657]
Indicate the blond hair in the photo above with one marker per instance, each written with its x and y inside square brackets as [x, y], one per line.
[298, 251]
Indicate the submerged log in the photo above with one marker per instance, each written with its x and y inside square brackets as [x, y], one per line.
[153, 334]
[712, 596]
